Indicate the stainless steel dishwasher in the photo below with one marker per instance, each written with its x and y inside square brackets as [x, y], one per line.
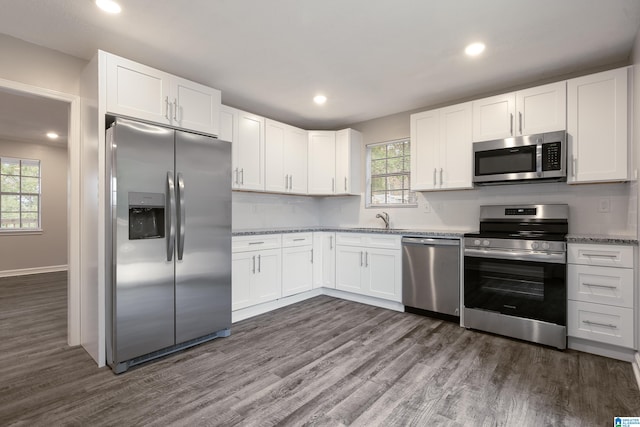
[431, 276]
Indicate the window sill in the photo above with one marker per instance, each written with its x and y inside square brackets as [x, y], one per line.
[21, 232]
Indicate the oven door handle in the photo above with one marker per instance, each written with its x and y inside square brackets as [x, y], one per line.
[550, 257]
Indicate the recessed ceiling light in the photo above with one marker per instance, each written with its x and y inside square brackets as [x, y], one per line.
[52, 135]
[109, 6]
[474, 49]
[319, 99]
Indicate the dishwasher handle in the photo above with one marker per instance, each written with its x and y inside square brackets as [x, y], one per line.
[429, 241]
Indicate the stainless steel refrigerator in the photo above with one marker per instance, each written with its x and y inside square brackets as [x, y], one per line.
[168, 240]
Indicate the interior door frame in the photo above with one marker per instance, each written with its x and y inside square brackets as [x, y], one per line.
[73, 201]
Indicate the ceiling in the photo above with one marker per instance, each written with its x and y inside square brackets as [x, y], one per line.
[371, 58]
[28, 118]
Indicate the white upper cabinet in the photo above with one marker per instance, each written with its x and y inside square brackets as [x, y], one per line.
[348, 148]
[597, 127]
[286, 158]
[334, 162]
[322, 162]
[246, 131]
[535, 110]
[441, 153]
[142, 92]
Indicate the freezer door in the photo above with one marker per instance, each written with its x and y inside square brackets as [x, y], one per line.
[203, 248]
[142, 288]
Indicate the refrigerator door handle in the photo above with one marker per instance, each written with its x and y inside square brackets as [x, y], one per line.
[181, 216]
[171, 223]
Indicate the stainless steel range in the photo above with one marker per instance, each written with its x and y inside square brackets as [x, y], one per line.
[515, 273]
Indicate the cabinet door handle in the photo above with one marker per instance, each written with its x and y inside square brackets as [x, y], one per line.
[366, 259]
[291, 182]
[574, 166]
[175, 109]
[286, 182]
[242, 176]
[596, 285]
[361, 262]
[511, 124]
[440, 177]
[254, 265]
[236, 178]
[434, 176]
[606, 325]
[330, 243]
[333, 185]
[259, 263]
[345, 184]
[520, 121]
[311, 255]
[166, 107]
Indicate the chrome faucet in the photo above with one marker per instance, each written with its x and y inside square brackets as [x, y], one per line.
[385, 217]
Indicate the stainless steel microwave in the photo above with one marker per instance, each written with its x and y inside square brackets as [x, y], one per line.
[541, 157]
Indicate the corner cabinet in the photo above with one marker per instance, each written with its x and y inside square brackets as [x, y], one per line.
[285, 158]
[526, 112]
[441, 152]
[138, 91]
[246, 131]
[369, 264]
[334, 162]
[597, 127]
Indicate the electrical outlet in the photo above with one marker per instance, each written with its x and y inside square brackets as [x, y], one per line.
[604, 205]
[427, 207]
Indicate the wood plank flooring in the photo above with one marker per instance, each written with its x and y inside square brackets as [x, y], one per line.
[322, 362]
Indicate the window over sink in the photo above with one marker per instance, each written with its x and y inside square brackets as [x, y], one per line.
[389, 174]
[19, 194]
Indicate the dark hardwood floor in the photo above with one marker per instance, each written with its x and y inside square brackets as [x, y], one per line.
[324, 361]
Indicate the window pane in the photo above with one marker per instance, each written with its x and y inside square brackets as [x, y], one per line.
[29, 220]
[30, 168]
[395, 197]
[10, 220]
[395, 150]
[10, 203]
[30, 203]
[407, 163]
[378, 184]
[379, 198]
[9, 184]
[378, 167]
[31, 185]
[395, 182]
[10, 166]
[379, 152]
[395, 165]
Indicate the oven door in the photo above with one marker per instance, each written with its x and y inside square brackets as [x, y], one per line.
[533, 289]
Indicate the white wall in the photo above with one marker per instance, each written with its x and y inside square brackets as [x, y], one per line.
[49, 248]
[38, 66]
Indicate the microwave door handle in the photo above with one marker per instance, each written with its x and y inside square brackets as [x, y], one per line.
[539, 160]
[511, 124]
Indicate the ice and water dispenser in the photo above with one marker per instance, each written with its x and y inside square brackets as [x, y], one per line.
[146, 216]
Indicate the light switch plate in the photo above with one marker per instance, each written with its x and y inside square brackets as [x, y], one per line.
[604, 205]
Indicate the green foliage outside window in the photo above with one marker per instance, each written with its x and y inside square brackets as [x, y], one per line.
[389, 174]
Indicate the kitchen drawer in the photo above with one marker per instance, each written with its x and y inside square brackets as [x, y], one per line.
[602, 323]
[291, 240]
[604, 255]
[602, 285]
[256, 243]
[370, 240]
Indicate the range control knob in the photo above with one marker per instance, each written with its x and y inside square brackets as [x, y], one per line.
[535, 246]
[486, 243]
[546, 246]
[476, 242]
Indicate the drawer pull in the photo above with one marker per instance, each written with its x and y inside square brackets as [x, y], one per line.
[299, 240]
[606, 325]
[256, 243]
[600, 255]
[595, 285]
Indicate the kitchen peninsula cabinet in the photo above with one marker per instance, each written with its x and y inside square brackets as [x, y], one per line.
[334, 162]
[286, 158]
[247, 133]
[138, 91]
[441, 154]
[597, 127]
[526, 112]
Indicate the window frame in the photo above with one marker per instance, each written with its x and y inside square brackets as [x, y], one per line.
[20, 229]
[368, 192]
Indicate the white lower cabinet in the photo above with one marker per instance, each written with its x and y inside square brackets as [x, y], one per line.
[324, 259]
[297, 263]
[256, 277]
[600, 293]
[369, 265]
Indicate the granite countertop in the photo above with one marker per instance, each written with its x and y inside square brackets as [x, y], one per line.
[458, 234]
[602, 238]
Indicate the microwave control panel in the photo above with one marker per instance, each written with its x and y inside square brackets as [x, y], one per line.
[551, 156]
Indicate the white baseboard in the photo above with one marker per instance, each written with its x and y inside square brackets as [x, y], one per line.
[636, 368]
[35, 270]
[606, 350]
[364, 299]
[255, 310]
